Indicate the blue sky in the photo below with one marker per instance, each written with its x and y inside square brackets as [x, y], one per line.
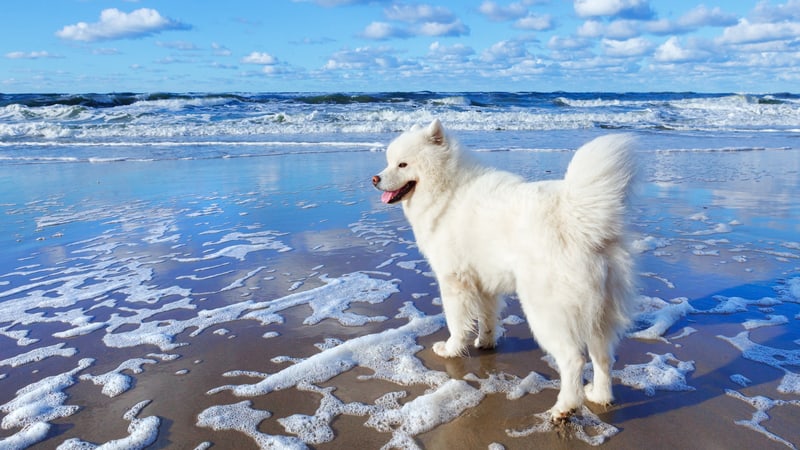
[74, 46]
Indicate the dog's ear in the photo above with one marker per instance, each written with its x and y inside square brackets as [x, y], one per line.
[415, 127]
[436, 132]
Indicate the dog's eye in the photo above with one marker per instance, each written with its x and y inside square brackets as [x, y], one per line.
[401, 165]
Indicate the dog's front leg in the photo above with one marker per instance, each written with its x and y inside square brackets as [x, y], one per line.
[455, 300]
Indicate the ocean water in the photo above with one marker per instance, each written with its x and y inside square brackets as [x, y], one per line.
[100, 127]
[214, 267]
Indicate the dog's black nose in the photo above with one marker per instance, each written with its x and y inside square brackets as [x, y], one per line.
[375, 180]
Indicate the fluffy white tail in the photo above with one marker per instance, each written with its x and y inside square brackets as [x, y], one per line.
[598, 181]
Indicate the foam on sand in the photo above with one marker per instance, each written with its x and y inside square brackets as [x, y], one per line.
[778, 358]
[585, 426]
[42, 401]
[657, 316]
[141, 433]
[27, 436]
[115, 382]
[317, 429]
[658, 374]
[39, 354]
[790, 290]
[513, 386]
[258, 241]
[388, 353]
[735, 304]
[762, 405]
[244, 419]
[649, 243]
[424, 413]
[770, 320]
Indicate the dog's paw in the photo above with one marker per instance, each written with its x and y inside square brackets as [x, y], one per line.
[558, 417]
[485, 343]
[441, 348]
[601, 397]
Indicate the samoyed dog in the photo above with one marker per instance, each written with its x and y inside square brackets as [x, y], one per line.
[560, 245]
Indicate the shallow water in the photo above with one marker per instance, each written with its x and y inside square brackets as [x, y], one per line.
[275, 296]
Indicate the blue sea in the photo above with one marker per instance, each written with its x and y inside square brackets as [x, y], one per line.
[36, 128]
[217, 270]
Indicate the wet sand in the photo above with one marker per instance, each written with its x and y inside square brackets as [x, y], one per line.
[109, 242]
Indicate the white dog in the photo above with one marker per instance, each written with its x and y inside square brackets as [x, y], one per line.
[558, 244]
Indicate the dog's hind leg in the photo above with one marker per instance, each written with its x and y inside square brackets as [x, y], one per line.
[489, 329]
[554, 330]
[570, 362]
[601, 353]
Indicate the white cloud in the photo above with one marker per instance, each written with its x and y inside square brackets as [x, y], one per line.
[594, 63]
[219, 65]
[617, 29]
[622, 29]
[747, 32]
[535, 22]
[661, 26]
[627, 48]
[455, 28]
[698, 17]
[220, 50]
[31, 55]
[638, 9]
[672, 51]
[418, 13]
[178, 45]
[379, 31]
[270, 65]
[505, 51]
[498, 13]
[768, 47]
[454, 53]
[259, 58]
[591, 29]
[766, 12]
[273, 70]
[382, 30]
[567, 43]
[115, 24]
[417, 20]
[362, 58]
[521, 70]
[701, 16]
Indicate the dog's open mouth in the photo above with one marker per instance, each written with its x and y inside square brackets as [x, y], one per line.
[396, 196]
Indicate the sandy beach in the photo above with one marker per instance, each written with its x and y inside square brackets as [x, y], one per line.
[274, 302]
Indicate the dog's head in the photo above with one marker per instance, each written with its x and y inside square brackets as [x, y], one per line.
[408, 158]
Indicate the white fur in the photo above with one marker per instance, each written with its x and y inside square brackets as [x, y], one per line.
[558, 244]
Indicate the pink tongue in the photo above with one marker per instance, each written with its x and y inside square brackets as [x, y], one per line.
[387, 195]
